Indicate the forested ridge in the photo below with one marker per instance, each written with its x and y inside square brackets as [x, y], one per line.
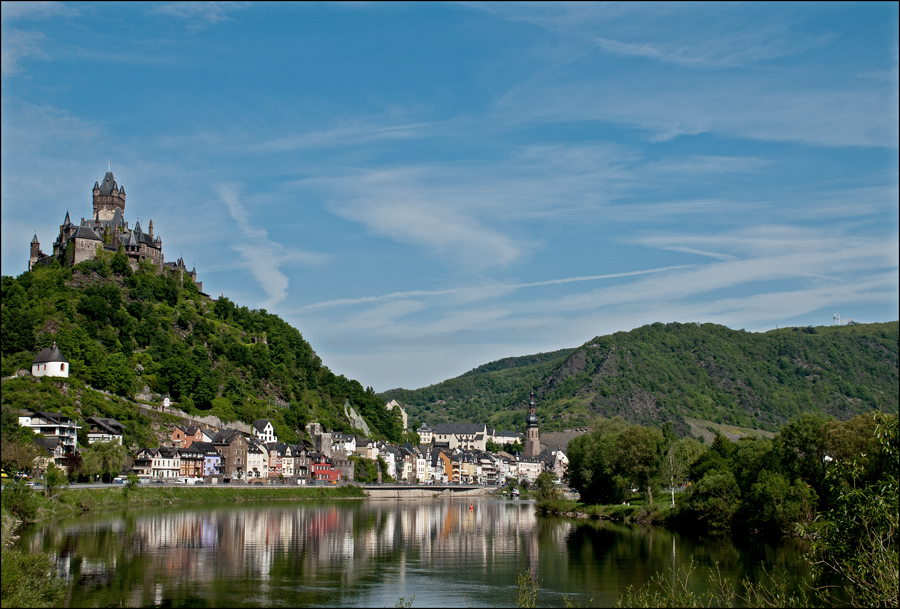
[124, 332]
[664, 372]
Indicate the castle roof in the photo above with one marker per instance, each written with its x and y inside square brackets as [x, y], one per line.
[33, 241]
[131, 240]
[109, 184]
[67, 221]
[49, 354]
[86, 232]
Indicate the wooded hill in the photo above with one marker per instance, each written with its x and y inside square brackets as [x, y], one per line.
[665, 372]
[125, 332]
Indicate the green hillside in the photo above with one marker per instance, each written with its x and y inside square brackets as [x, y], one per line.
[666, 372]
[126, 333]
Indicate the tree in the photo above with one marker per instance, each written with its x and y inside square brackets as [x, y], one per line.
[104, 459]
[679, 456]
[545, 490]
[73, 462]
[857, 537]
[715, 499]
[18, 455]
[54, 480]
[638, 450]
[119, 263]
[593, 463]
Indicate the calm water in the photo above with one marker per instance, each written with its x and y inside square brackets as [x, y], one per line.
[371, 553]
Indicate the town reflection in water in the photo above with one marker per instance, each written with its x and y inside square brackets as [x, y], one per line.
[371, 553]
[315, 553]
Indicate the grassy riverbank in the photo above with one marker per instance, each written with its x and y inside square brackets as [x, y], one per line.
[658, 514]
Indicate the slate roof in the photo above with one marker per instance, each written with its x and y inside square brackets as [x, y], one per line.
[48, 444]
[131, 240]
[206, 448]
[49, 354]
[190, 449]
[86, 232]
[226, 436]
[459, 428]
[110, 426]
[260, 424]
[109, 182]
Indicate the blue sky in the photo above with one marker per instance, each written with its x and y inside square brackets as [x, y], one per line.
[423, 188]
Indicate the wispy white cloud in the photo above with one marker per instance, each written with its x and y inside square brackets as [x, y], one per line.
[15, 44]
[479, 292]
[262, 256]
[13, 11]
[200, 14]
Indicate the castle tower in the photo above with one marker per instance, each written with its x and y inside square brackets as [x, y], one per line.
[35, 252]
[532, 439]
[108, 197]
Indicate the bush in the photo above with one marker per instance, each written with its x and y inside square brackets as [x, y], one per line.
[28, 580]
[20, 500]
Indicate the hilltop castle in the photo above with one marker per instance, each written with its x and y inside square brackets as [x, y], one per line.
[106, 231]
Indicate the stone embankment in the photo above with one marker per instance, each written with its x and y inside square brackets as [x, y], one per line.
[423, 492]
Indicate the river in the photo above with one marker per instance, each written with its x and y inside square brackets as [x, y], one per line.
[449, 552]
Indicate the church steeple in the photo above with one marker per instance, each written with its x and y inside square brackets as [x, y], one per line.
[532, 439]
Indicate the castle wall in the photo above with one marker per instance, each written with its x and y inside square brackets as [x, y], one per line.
[85, 249]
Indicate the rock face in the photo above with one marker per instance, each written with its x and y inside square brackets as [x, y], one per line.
[355, 419]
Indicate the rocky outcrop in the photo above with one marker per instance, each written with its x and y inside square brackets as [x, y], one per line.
[356, 421]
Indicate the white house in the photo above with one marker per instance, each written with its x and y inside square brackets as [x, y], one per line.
[257, 461]
[529, 469]
[53, 425]
[426, 434]
[263, 431]
[50, 362]
[467, 436]
[344, 442]
[104, 430]
[388, 453]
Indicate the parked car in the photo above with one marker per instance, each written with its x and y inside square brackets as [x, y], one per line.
[119, 480]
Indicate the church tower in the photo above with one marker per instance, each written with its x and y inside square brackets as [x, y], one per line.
[532, 439]
[108, 197]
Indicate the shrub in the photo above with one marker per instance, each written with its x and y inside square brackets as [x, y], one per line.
[20, 500]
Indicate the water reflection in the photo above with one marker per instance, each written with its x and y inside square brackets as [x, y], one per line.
[369, 553]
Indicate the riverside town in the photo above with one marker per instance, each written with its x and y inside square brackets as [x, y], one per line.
[449, 305]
